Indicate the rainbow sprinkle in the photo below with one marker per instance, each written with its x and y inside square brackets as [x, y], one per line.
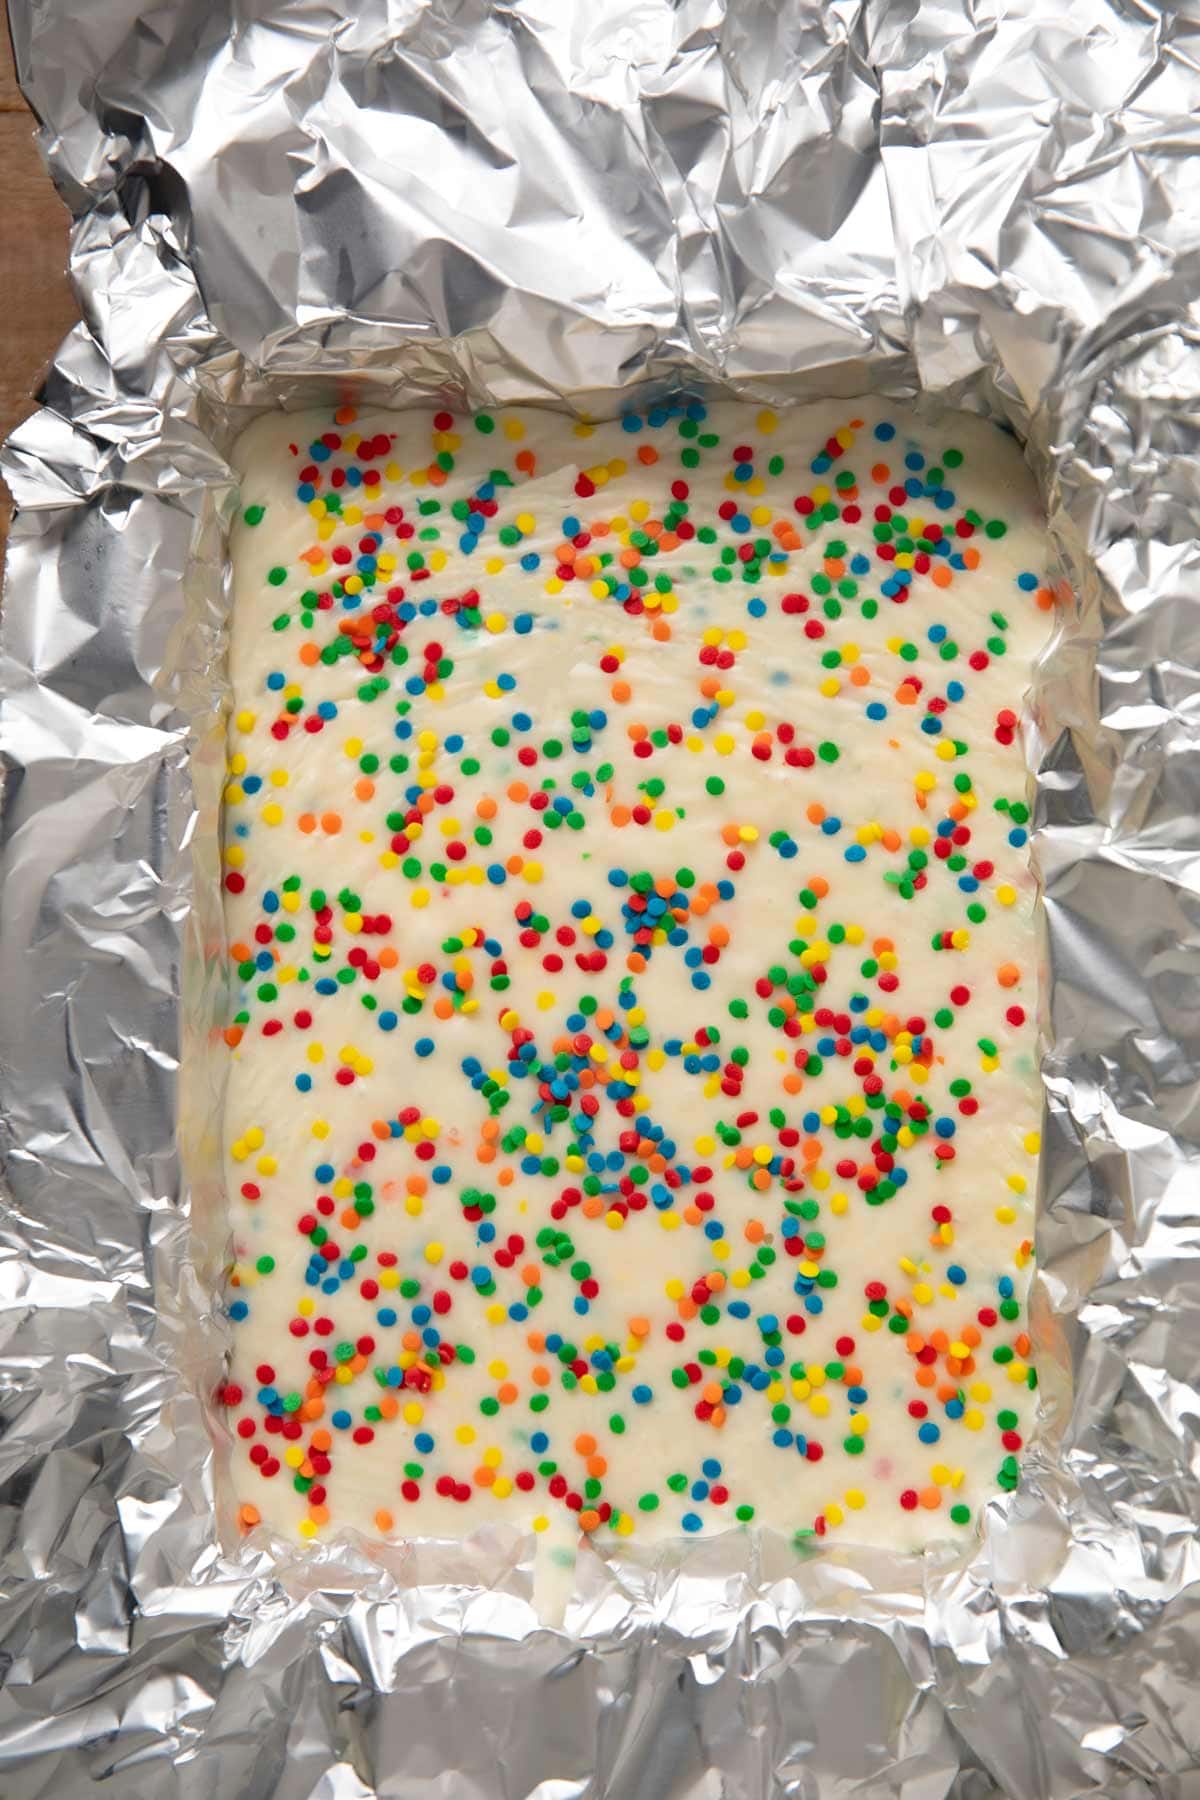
[632, 1116]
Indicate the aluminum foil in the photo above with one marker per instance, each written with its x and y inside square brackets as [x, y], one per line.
[985, 203]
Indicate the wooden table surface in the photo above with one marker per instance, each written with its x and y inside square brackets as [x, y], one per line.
[38, 306]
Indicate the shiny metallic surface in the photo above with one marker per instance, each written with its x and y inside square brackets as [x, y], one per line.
[543, 200]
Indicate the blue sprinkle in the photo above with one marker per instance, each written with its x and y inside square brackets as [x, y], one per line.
[885, 432]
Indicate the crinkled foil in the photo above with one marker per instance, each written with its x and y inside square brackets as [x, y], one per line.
[548, 200]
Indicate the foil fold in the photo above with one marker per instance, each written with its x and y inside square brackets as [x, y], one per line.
[525, 201]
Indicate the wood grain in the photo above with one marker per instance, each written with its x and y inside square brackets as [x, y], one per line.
[39, 308]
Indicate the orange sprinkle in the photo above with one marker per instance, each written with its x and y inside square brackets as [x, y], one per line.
[310, 654]
[621, 691]
[485, 808]
[860, 676]
[507, 1392]
[384, 1520]
[647, 454]
[331, 822]
[588, 1519]
[585, 1443]
[1007, 975]
[931, 1498]
[526, 461]
[307, 822]
[248, 1517]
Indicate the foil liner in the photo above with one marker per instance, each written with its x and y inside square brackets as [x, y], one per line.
[537, 200]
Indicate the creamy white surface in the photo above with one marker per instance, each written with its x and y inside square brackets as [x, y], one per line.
[556, 670]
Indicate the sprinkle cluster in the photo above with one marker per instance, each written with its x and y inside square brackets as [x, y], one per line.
[631, 1109]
